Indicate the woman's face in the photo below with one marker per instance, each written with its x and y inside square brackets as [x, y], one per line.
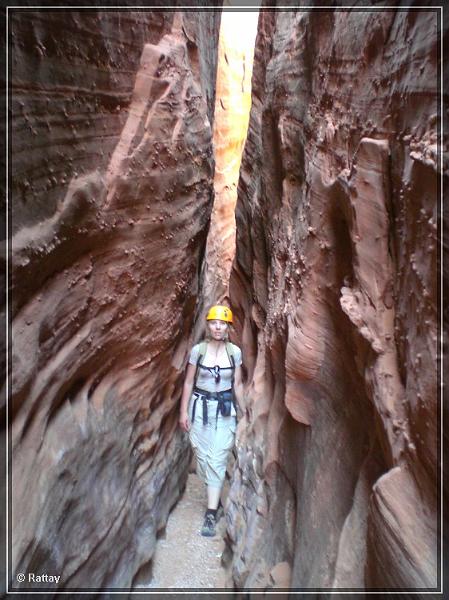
[217, 329]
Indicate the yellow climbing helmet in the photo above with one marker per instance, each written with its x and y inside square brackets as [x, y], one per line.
[221, 313]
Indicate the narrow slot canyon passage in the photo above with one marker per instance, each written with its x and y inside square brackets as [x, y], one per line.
[184, 559]
[155, 170]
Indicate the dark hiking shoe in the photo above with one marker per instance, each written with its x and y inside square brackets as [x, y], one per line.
[208, 528]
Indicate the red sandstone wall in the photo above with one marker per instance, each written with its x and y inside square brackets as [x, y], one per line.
[111, 195]
[335, 289]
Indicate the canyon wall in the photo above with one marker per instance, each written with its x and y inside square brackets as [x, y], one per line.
[111, 192]
[335, 291]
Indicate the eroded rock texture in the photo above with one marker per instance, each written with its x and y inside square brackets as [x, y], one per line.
[111, 197]
[335, 285]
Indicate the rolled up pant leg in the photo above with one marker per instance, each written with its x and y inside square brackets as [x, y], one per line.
[212, 443]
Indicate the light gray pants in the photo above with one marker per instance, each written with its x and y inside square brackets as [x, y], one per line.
[212, 442]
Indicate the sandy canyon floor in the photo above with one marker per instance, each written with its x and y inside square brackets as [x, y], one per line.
[184, 558]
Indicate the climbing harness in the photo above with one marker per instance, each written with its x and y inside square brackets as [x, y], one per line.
[224, 398]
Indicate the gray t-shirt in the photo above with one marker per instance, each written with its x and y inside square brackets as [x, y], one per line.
[206, 374]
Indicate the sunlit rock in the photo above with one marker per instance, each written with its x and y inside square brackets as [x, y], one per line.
[232, 104]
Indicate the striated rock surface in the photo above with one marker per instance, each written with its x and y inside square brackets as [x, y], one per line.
[335, 289]
[111, 193]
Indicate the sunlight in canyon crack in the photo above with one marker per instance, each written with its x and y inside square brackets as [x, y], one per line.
[232, 106]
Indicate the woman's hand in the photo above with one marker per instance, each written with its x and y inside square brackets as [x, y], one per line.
[184, 421]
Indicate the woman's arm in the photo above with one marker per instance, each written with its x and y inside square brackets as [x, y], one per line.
[238, 386]
[186, 393]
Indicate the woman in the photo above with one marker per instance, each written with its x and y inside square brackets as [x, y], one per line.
[213, 381]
